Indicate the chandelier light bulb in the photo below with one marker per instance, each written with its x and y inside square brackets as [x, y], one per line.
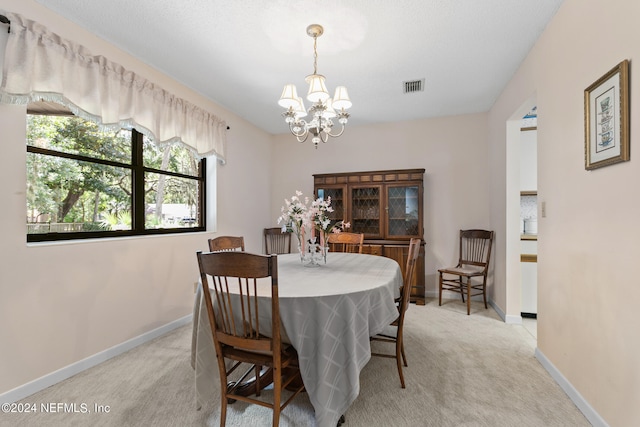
[317, 90]
[299, 109]
[341, 99]
[329, 112]
[289, 97]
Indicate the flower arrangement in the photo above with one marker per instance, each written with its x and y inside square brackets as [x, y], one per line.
[319, 218]
[298, 215]
[294, 215]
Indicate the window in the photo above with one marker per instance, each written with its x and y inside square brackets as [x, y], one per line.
[83, 182]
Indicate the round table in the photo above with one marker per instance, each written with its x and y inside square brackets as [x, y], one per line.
[328, 314]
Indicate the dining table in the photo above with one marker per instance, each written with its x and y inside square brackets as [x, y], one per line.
[328, 312]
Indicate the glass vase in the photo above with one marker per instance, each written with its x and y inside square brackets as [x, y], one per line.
[325, 251]
[313, 254]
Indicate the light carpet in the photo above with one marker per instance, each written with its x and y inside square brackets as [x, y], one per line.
[463, 371]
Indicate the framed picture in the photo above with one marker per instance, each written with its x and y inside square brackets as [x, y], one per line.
[606, 116]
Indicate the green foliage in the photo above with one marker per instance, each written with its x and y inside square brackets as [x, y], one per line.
[119, 221]
[152, 221]
[73, 191]
[172, 158]
[95, 226]
[61, 190]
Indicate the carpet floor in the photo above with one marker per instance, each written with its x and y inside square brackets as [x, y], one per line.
[463, 371]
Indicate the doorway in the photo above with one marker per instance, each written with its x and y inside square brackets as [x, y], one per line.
[521, 217]
[529, 221]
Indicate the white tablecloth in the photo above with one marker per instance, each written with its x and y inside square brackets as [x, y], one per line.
[328, 314]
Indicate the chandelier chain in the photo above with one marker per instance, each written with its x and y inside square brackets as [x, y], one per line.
[315, 54]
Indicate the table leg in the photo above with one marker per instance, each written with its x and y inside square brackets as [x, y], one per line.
[250, 386]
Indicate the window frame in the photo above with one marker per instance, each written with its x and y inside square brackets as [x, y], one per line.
[138, 171]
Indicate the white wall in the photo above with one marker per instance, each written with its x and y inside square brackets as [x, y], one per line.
[452, 150]
[586, 293]
[63, 302]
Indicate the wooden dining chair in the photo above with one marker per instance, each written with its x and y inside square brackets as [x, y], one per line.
[394, 334]
[226, 243]
[238, 335]
[346, 242]
[277, 241]
[475, 254]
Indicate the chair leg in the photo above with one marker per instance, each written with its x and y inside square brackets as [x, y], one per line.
[277, 390]
[257, 376]
[461, 284]
[404, 357]
[399, 359]
[484, 291]
[440, 292]
[223, 408]
[468, 295]
[222, 370]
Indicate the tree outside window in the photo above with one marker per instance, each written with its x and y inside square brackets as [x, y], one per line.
[86, 182]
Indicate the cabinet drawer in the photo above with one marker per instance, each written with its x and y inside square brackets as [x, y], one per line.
[372, 249]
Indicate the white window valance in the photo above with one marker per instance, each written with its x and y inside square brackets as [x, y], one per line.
[40, 65]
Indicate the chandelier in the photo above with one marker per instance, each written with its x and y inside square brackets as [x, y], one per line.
[323, 108]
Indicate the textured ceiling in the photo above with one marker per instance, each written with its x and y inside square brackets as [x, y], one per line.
[240, 53]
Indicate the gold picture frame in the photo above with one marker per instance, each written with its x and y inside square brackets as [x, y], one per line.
[606, 118]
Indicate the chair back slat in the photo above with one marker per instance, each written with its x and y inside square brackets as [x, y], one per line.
[221, 291]
[248, 300]
[276, 241]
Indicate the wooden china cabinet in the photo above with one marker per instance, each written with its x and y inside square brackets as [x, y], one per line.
[387, 206]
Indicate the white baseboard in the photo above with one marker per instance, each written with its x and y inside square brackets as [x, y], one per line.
[513, 320]
[590, 414]
[510, 319]
[507, 318]
[55, 377]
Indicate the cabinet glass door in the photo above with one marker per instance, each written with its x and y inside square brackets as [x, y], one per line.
[337, 201]
[365, 211]
[403, 205]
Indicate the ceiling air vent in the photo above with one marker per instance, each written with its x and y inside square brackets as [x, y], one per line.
[413, 86]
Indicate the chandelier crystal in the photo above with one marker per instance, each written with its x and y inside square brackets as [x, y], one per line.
[323, 108]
